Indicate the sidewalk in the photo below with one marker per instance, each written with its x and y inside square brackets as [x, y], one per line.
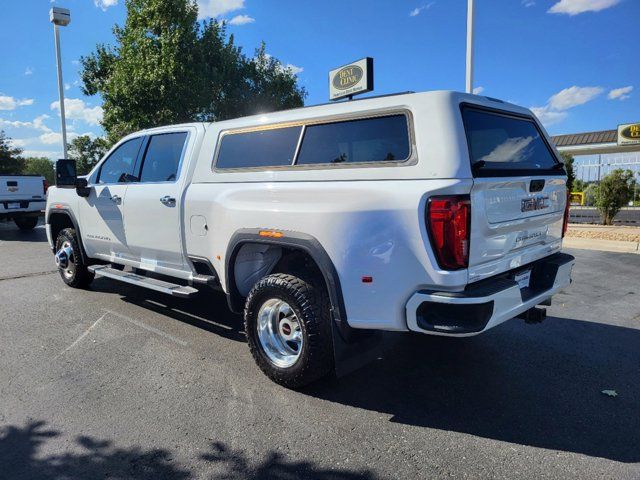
[615, 238]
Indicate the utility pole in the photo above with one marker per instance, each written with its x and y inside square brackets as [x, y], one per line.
[60, 17]
[469, 76]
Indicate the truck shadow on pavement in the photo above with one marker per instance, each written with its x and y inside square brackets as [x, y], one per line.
[534, 385]
[208, 310]
[90, 458]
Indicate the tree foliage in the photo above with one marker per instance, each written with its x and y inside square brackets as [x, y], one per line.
[40, 166]
[613, 192]
[568, 166]
[167, 67]
[87, 152]
[10, 160]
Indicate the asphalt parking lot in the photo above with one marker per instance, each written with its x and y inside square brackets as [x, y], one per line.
[117, 382]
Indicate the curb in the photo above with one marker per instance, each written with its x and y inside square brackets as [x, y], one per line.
[617, 246]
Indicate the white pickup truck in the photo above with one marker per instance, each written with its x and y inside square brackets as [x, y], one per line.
[441, 213]
[22, 199]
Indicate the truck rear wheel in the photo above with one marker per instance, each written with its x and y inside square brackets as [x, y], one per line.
[26, 223]
[69, 260]
[288, 326]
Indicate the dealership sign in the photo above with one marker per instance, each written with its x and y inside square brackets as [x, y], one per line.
[629, 134]
[352, 79]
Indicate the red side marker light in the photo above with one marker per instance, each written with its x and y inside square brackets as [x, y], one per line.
[367, 279]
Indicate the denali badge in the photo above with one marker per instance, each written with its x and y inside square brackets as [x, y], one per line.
[536, 203]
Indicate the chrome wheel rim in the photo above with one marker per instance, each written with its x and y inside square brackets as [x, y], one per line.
[279, 332]
[66, 260]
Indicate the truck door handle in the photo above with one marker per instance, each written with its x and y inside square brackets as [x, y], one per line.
[116, 199]
[168, 201]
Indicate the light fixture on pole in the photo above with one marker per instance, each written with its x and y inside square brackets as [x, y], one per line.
[469, 76]
[60, 17]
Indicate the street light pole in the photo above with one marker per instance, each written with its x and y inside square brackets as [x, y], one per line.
[60, 17]
[61, 92]
[469, 76]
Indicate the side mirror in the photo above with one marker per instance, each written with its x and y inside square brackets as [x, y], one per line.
[82, 187]
[66, 174]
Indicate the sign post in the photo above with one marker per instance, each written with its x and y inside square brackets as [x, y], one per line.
[352, 79]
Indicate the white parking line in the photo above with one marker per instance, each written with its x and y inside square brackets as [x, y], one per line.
[84, 334]
[148, 328]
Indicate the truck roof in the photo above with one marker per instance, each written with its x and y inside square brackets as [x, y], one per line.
[399, 100]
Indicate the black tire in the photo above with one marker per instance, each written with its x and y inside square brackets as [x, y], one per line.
[79, 276]
[311, 305]
[26, 223]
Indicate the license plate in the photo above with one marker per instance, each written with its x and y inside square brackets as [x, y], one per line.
[523, 278]
[13, 206]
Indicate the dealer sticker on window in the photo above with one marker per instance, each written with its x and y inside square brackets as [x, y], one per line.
[523, 278]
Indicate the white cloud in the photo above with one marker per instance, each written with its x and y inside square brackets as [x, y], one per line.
[38, 123]
[575, 7]
[478, 90]
[293, 68]
[547, 116]
[50, 138]
[215, 8]
[555, 109]
[28, 71]
[104, 4]
[77, 109]
[67, 86]
[620, 93]
[418, 10]
[241, 20]
[573, 96]
[11, 103]
[528, 3]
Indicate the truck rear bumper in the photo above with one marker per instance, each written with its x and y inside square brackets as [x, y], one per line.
[487, 303]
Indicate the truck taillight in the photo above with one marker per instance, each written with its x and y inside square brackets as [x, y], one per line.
[45, 186]
[565, 224]
[449, 225]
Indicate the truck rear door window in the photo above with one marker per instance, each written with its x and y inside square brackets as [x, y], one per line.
[501, 144]
[162, 159]
[380, 139]
[263, 148]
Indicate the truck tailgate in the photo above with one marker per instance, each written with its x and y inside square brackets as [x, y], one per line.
[512, 225]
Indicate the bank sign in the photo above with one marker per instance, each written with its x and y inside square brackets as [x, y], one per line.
[352, 79]
[629, 134]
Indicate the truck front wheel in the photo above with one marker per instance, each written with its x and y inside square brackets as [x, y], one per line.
[288, 326]
[69, 260]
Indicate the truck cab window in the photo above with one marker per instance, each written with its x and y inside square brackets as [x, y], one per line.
[120, 164]
[162, 159]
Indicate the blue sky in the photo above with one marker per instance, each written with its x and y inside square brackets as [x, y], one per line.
[574, 61]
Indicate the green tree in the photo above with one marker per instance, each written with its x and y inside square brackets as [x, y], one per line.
[167, 67]
[10, 160]
[613, 192]
[568, 166]
[590, 194]
[87, 152]
[40, 166]
[579, 185]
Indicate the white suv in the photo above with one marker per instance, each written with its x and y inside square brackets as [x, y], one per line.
[440, 212]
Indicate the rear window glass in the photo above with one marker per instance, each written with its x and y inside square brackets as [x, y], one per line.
[501, 143]
[264, 148]
[369, 140]
[163, 156]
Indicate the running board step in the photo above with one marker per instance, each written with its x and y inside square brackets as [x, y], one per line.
[142, 281]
